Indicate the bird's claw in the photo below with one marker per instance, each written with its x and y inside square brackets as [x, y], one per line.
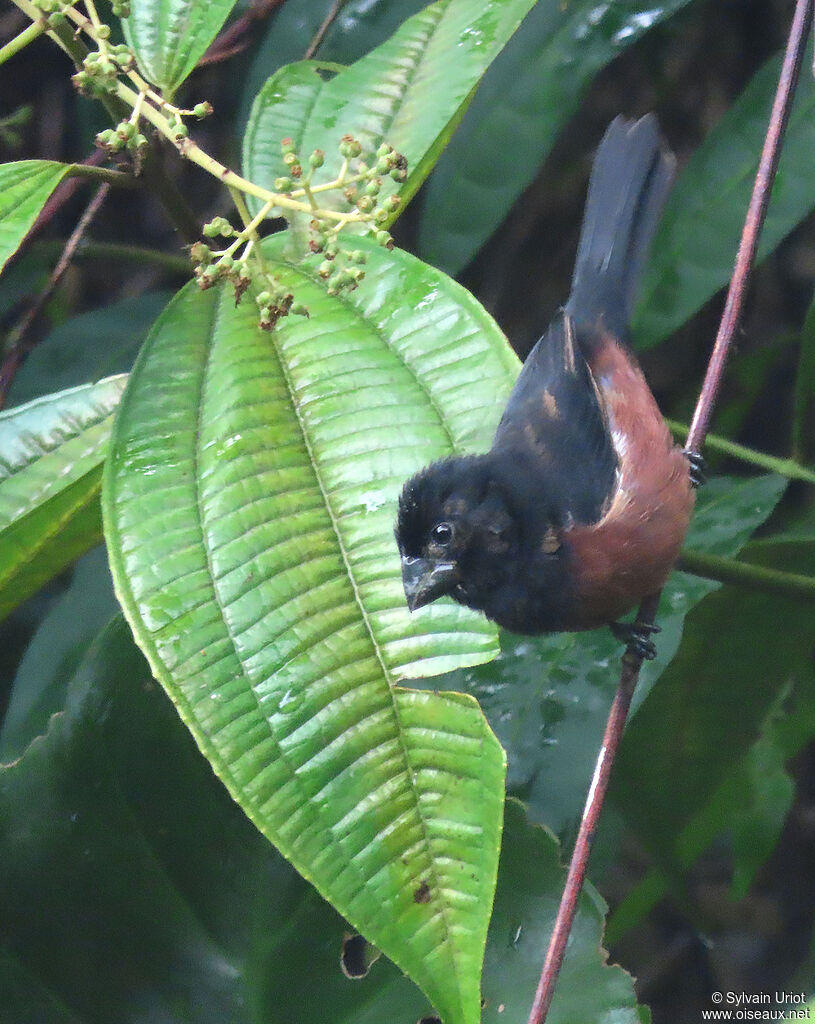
[637, 638]
[697, 468]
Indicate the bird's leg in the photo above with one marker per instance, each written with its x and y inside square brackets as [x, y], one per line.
[697, 468]
[637, 637]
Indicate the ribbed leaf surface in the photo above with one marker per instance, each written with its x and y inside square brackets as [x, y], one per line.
[170, 36]
[410, 92]
[523, 104]
[25, 186]
[249, 505]
[51, 453]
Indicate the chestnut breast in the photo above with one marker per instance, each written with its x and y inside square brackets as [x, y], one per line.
[630, 551]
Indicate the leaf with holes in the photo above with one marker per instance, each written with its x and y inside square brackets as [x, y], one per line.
[25, 187]
[51, 453]
[249, 504]
[410, 92]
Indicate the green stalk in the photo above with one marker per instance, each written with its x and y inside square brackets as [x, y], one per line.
[784, 467]
[744, 574]
[19, 42]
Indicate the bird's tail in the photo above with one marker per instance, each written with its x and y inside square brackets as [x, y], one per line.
[630, 180]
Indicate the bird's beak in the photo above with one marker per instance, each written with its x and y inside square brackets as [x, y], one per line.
[424, 580]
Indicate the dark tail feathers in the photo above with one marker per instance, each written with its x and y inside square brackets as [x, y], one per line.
[630, 180]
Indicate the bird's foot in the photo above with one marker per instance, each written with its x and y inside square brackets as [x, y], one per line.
[637, 637]
[697, 468]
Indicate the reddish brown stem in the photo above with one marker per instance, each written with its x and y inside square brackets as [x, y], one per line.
[319, 35]
[629, 675]
[236, 38]
[760, 200]
[19, 344]
[588, 826]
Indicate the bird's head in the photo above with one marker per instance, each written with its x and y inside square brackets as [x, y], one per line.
[455, 532]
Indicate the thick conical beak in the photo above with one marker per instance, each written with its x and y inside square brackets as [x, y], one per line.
[424, 580]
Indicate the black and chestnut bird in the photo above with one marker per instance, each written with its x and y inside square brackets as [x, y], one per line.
[578, 510]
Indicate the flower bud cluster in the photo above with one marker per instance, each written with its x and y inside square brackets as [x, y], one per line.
[124, 136]
[100, 70]
[276, 301]
[342, 265]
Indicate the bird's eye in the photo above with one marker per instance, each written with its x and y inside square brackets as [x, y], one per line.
[442, 533]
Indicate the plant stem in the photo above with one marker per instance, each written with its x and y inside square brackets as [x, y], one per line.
[784, 467]
[756, 212]
[319, 35]
[744, 574]
[18, 345]
[104, 174]
[19, 42]
[793, 59]
[125, 253]
[588, 825]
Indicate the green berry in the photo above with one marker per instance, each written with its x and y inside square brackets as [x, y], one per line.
[373, 187]
[384, 239]
[317, 158]
[287, 145]
[201, 253]
[283, 184]
[202, 110]
[365, 204]
[350, 147]
[325, 269]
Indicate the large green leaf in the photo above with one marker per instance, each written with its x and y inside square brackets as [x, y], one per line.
[54, 651]
[359, 26]
[803, 422]
[750, 806]
[547, 698]
[410, 92]
[526, 98]
[693, 253]
[118, 843]
[51, 454]
[529, 885]
[170, 36]
[88, 347]
[249, 504]
[710, 706]
[25, 186]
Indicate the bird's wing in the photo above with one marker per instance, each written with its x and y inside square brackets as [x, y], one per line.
[556, 417]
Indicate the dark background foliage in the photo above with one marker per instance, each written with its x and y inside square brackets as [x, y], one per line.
[689, 70]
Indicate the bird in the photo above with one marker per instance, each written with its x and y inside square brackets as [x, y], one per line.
[578, 510]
